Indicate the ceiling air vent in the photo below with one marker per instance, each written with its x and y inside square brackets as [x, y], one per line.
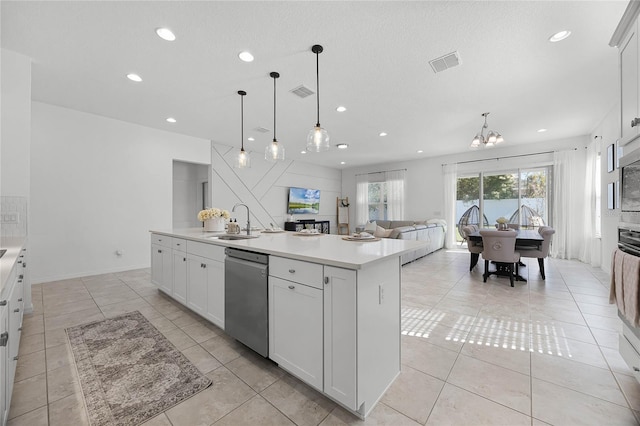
[447, 61]
[302, 91]
[261, 130]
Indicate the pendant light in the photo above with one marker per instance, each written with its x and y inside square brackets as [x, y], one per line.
[274, 151]
[318, 138]
[243, 160]
[482, 141]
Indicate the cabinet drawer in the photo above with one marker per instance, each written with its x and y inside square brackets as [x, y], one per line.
[179, 244]
[296, 270]
[210, 251]
[161, 240]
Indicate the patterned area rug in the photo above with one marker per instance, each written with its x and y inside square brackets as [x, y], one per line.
[129, 372]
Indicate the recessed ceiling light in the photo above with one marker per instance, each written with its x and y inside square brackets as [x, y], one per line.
[245, 56]
[171, 120]
[542, 130]
[559, 36]
[165, 34]
[341, 109]
[342, 146]
[342, 162]
[383, 134]
[134, 77]
[303, 152]
[420, 151]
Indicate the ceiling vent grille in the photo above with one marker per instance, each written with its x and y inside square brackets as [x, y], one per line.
[261, 130]
[445, 62]
[302, 91]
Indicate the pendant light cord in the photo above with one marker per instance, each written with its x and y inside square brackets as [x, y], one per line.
[241, 122]
[274, 108]
[318, 87]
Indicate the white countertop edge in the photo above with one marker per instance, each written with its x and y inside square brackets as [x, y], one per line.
[196, 234]
[13, 245]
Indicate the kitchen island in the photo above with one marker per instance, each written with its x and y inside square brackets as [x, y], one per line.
[334, 305]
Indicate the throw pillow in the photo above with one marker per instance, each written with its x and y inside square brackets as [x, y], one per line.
[370, 227]
[382, 233]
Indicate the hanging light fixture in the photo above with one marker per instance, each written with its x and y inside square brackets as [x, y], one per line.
[318, 138]
[482, 141]
[274, 151]
[243, 160]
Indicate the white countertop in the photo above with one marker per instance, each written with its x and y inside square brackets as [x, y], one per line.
[13, 245]
[327, 249]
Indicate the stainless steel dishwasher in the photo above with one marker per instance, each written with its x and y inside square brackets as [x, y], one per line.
[246, 305]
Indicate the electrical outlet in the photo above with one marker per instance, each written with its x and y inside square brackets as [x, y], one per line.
[12, 217]
[380, 294]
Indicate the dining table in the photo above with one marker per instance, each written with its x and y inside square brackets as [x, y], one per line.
[526, 238]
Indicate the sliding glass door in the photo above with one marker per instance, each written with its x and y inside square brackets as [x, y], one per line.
[521, 196]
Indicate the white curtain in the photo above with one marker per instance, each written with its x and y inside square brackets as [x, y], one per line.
[395, 182]
[362, 199]
[449, 172]
[569, 204]
[589, 253]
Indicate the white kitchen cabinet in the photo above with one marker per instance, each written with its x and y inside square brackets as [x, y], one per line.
[295, 329]
[629, 95]
[162, 263]
[340, 335]
[5, 385]
[180, 276]
[197, 283]
[205, 282]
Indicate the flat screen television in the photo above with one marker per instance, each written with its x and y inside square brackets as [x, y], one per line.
[303, 201]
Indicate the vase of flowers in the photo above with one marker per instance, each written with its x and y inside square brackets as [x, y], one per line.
[214, 219]
[502, 223]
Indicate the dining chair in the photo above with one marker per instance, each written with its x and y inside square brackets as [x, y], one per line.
[475, 248]
[539, 253]
[500, 247]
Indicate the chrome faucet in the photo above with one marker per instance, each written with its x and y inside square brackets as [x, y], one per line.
[248, 221]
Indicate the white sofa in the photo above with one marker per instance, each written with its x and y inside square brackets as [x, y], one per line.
[432, 231]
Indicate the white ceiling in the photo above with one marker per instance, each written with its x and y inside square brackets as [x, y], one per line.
[375, 62]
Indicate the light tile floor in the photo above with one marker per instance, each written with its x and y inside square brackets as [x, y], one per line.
[544, 352]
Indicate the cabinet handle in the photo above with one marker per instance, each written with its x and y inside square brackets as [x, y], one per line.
[292, 271]
[16, 310]
[326, 280]
[19, 328]
[204, 265]
[4, 338]
[20, 276]
[20, 300]
[3, 303]
[636, 369]
[635, 122]
[292, 287]
[184, 259]
[15, 358]
[159, 251]
[19, 261]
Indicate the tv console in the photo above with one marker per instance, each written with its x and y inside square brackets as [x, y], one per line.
[299, 225]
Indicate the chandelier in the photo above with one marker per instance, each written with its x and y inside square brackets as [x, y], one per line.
[492, 138]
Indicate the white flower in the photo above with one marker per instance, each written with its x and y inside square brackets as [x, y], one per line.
[213, 212]
[502, 219]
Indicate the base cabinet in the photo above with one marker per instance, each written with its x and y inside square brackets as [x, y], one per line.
[295, 329]
[162, 268]
[340, 336]
[197, 284]
[180, 276]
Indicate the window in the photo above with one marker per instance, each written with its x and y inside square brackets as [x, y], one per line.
[380, 196]
[377, 207]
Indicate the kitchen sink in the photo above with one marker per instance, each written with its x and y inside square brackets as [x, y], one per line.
[234, 237]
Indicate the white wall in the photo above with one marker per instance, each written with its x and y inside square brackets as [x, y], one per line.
[265, 187]
[424, 177]
[99, 185]
[609, 129]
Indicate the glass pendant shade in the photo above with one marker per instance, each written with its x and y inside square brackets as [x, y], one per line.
[480, 141]
[499, 138]
[318, 140]
[243, 160]
[274, 152]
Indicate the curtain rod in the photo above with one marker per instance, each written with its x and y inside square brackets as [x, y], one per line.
[502, 158]
[384, 171]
